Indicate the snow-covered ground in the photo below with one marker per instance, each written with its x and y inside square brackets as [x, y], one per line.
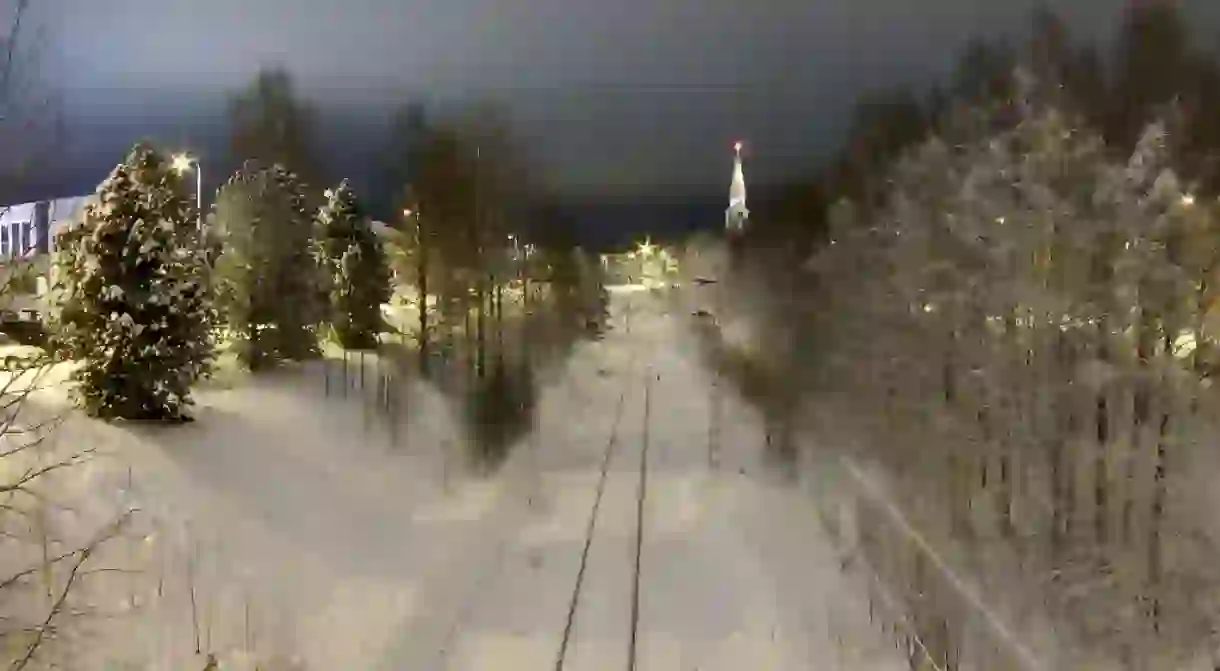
[733, 572]
[308, 533]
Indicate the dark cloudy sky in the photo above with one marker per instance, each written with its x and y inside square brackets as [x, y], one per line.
[617, 95]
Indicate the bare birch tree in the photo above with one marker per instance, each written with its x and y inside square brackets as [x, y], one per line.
[41, 571]
[1019, 338]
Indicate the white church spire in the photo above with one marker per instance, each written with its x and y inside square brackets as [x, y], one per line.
[735, 216]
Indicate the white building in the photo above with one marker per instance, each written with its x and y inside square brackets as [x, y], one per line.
[736, 215]
[27, 239]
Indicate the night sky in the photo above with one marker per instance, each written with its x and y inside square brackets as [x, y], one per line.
[617, 97]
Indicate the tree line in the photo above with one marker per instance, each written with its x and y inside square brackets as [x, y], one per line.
[145, 297]
[1010, 309]
[1154, 69]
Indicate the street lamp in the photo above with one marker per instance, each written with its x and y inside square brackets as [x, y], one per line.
[183, 162]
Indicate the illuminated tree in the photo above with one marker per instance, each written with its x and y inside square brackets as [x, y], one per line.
[360, 281]
[137, 313]
[271, 287]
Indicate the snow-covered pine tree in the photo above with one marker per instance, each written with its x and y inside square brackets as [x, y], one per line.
[359, 271]
[136, 306]
[300, 278]
[269, 283]
[241, 270]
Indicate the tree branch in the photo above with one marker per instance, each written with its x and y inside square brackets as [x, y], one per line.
[55, 608]
[34, 474]
[82, 555]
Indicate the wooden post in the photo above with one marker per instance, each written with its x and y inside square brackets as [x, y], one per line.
[190, 580]
[422, 291]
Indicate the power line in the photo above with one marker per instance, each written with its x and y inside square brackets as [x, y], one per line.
[637, 89]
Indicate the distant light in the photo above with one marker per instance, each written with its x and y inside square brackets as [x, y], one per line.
[737, 146]
[1188, 199]
[406, 212]
[329, 193]
[182, 163]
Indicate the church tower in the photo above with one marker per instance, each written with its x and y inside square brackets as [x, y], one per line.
[736, 215]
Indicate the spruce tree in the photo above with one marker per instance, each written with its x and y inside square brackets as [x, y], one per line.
[300, 281]
[359, 272]
[242, 273]
[136, 311]
[270, 287]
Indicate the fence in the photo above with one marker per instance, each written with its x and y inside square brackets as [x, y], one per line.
[378, 381]
[919, 597]
[492, 380]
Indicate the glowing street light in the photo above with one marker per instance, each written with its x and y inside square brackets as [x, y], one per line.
[646, 248]
[183, 162]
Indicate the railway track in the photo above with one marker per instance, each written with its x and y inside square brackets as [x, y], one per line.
[641, 495]
[612, 444]
[613, 447]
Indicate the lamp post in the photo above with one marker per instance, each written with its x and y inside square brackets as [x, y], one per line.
[182, 163]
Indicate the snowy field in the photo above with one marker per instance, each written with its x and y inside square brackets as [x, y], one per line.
[288, 526]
